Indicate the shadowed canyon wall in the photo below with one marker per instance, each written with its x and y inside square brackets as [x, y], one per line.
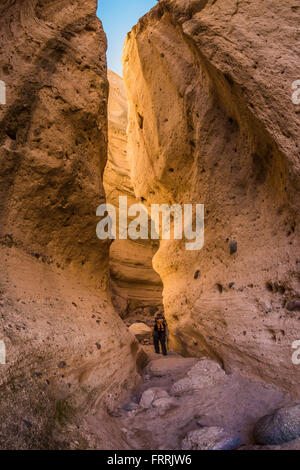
[135, 285]
[68, 352]
[211, 121]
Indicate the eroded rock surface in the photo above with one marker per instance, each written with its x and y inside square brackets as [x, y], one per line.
[60, 329]
[211, 120]
[134, 282]
[141, 331]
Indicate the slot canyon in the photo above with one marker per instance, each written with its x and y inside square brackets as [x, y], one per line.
[203, 115]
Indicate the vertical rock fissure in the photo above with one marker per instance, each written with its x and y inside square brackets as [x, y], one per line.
[136, 288]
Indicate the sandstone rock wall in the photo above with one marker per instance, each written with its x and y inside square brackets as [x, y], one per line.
[68, 352]
[211, 121]
[134, 283]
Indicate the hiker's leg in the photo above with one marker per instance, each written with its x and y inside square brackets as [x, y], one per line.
[163, 343]
[156, 342]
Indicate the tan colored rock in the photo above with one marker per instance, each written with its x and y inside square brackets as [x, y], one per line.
[169, 365]
[151, 395]
[140, 330]
[133, 281]
[57, 322]
[212, 84]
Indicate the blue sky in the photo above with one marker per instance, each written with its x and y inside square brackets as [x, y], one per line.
[118, 17]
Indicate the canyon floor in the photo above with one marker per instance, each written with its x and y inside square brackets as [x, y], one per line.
[180, 396]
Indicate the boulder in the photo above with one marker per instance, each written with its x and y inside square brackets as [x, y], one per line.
[54, 294]
[152, 394]
[169, 365]
[279, 427]
[210, 438]
[204, 374]
[140, 330]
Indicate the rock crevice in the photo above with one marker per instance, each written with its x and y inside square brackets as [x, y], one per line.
[213, 84]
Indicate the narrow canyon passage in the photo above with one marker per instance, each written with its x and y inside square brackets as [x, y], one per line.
[192, 137]
[203, 116]
[197, 133]
[136, 287]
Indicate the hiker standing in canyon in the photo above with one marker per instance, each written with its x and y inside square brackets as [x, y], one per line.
[160, 333]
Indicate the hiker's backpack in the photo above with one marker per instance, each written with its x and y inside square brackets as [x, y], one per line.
[160, 322]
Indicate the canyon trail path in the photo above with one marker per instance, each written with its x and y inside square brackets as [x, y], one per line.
[179, 395]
